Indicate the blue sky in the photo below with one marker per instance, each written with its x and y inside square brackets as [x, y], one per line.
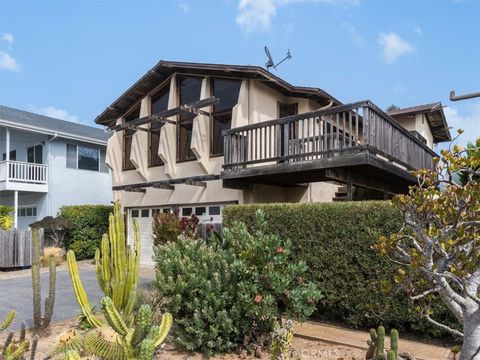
[71, 59]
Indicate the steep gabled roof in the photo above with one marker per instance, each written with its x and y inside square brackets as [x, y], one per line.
[25, 120]
[435, 117]
[164, 69]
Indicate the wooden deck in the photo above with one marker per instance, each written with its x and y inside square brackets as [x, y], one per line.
[357, 144]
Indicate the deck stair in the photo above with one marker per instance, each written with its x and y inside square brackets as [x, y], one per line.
[341, 194]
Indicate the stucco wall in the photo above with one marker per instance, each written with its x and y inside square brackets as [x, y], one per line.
[74, 186]
[418, 123]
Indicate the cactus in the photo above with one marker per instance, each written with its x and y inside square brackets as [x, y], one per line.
[79, 291]
[69, 340]
[147, 350]
[16, 349]
[121, 341]
[40, 323]
[105, 343]
[394, 343]
[117, 268]
[380, 343]
[8, 320]
[376, 345]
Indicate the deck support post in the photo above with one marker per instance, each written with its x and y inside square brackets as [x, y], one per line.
[349, 191]
[15, 209]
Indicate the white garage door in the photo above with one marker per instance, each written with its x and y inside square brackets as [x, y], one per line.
[207, 214]
[144, 218]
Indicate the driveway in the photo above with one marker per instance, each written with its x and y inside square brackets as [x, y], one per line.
[16, 294]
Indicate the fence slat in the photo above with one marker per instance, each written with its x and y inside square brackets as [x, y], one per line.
[16, 248]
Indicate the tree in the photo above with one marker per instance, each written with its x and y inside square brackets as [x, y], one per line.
[472, 150]
[55, 229]
[392, 107]
[440, 241]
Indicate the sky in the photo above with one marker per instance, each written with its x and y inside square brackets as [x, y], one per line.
[72, 59]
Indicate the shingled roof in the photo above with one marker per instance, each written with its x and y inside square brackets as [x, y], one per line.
[163, 69]
[435, 117]
[25, 120]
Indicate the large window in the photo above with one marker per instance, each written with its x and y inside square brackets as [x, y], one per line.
[227, 91]
[188, 91]
[86, 158]
[127, 139]
[35, 154]
[159, 103]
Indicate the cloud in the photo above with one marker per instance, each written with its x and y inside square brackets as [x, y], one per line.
[184, 7]
[356, 37]
[467, 120]
[8, 37]
[258, 14]
[54, 112]
[393, 46]
[7, 62]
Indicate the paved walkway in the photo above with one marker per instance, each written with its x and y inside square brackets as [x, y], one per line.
[358, 339]
[16, 294]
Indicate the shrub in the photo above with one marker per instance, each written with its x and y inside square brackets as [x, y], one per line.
[166, 228]
[6, 219]
[231, 293]
[196, 283]
[89, 223]
[335, 240]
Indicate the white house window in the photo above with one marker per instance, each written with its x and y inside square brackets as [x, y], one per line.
[29, 211]
[35, 154]
[86, 158]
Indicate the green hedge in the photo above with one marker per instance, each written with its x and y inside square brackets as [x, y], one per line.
[90, 222]
[335, 240]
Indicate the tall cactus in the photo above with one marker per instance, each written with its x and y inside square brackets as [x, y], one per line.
[117, 266]
[15, 349]
[40, 323]
[380, 343]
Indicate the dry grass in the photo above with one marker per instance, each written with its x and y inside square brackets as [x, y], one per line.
[56, 252]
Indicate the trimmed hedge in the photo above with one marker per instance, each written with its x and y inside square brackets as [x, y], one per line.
[89, 222]
[335, 240]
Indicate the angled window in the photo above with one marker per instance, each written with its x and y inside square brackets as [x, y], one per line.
[227, 90]
[188, 91]
[159, 103]
[127, 138]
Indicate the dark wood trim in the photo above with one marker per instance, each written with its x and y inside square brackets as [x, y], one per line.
[167, 184]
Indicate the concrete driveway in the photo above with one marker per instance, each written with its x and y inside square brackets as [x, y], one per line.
[16, 294]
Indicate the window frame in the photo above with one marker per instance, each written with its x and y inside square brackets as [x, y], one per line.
[127, 135]
[179, 124]
[165, 89]
[225, 112]
[34, 147]
[99, 154]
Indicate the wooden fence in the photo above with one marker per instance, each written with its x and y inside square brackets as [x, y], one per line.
[16, 248]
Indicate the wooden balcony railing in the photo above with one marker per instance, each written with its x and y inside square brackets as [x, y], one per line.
[320, 134]
[23, 172]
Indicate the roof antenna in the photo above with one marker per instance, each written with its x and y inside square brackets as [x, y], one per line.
[270, 63]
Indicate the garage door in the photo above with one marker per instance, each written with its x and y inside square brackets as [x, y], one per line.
[207, 214]
[144, 218]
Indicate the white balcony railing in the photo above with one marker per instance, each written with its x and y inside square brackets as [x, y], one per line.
[23, 172]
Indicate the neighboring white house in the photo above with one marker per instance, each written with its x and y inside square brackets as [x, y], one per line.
[47, 163]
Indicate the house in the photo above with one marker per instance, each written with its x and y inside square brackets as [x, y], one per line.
[202, 136]
[48, 163]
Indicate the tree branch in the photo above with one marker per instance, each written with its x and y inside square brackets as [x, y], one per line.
[425, 293]
[443, 326]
